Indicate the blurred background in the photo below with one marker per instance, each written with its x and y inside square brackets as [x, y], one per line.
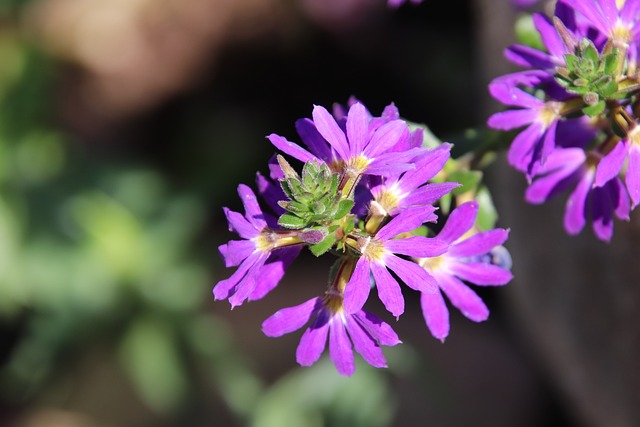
[126, 125]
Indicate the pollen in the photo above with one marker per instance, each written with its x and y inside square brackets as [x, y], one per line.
[357, 165]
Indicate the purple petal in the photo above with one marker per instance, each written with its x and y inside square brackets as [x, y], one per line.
[417, 246]
[512, 119]
[428, 194]
[460, 221]
[357, 289]
[365, 344]
[526, 56]
[510, 95]
[633, 174]
[340, 347]
[357, 127]
[610, 165]
[380, 168]
[239, 224]
[463, 298]
[479, 244]
[313, 140]
[388, 289]
[609, 11]
[521, 151]
[480, 273]
[290, 148]
[408, 220]
[574, 216]
[436, 314]
[630, 11]
[330, 131]
[621, 202]
[385, 137]
[290, 319]
[252, 210]
[411, 274]
[379, 330]
[550, 37]
[270, 193]
[561, 164]
[247, 285]
[274, 270]
[602, 210]
[427, 167]
[224, 288]
[527, 78]
[313, 340]
[236, 251]
[589, 9]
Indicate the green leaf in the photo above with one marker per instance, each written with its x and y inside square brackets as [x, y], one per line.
[344, 207]
[608, 89]
[322, 247]
[291, 221]
[572, 62]
[594, 110]
[487, 213]
[467, 179]
[297, 207]
[611, 62]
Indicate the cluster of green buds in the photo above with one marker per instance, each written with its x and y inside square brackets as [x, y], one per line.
[316, 205]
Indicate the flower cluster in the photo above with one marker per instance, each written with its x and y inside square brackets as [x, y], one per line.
[578, 105]
[365, 192]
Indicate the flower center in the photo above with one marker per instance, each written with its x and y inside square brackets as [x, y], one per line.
[371, 248]
[386, 202]
[432, 264]
[549, 113]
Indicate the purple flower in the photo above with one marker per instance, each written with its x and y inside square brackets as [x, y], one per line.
[396, 194]
[620, 25]
[532, 146]
[379, 255]
[479, 259]
[398, 3]
[363, 329]
[261, 257]
[360, 150]
[611, 165]
[572, 168]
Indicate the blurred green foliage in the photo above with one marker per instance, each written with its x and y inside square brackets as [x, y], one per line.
[95, 255]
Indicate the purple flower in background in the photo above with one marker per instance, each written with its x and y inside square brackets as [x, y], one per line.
[379, 255]
[261, 257]
[359, 150]
[572, 168]
[398, 3]
[479, 259]
[366, 331]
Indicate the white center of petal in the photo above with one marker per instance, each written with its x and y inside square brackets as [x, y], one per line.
[386, 202]
[371, 248]
[549, 113]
